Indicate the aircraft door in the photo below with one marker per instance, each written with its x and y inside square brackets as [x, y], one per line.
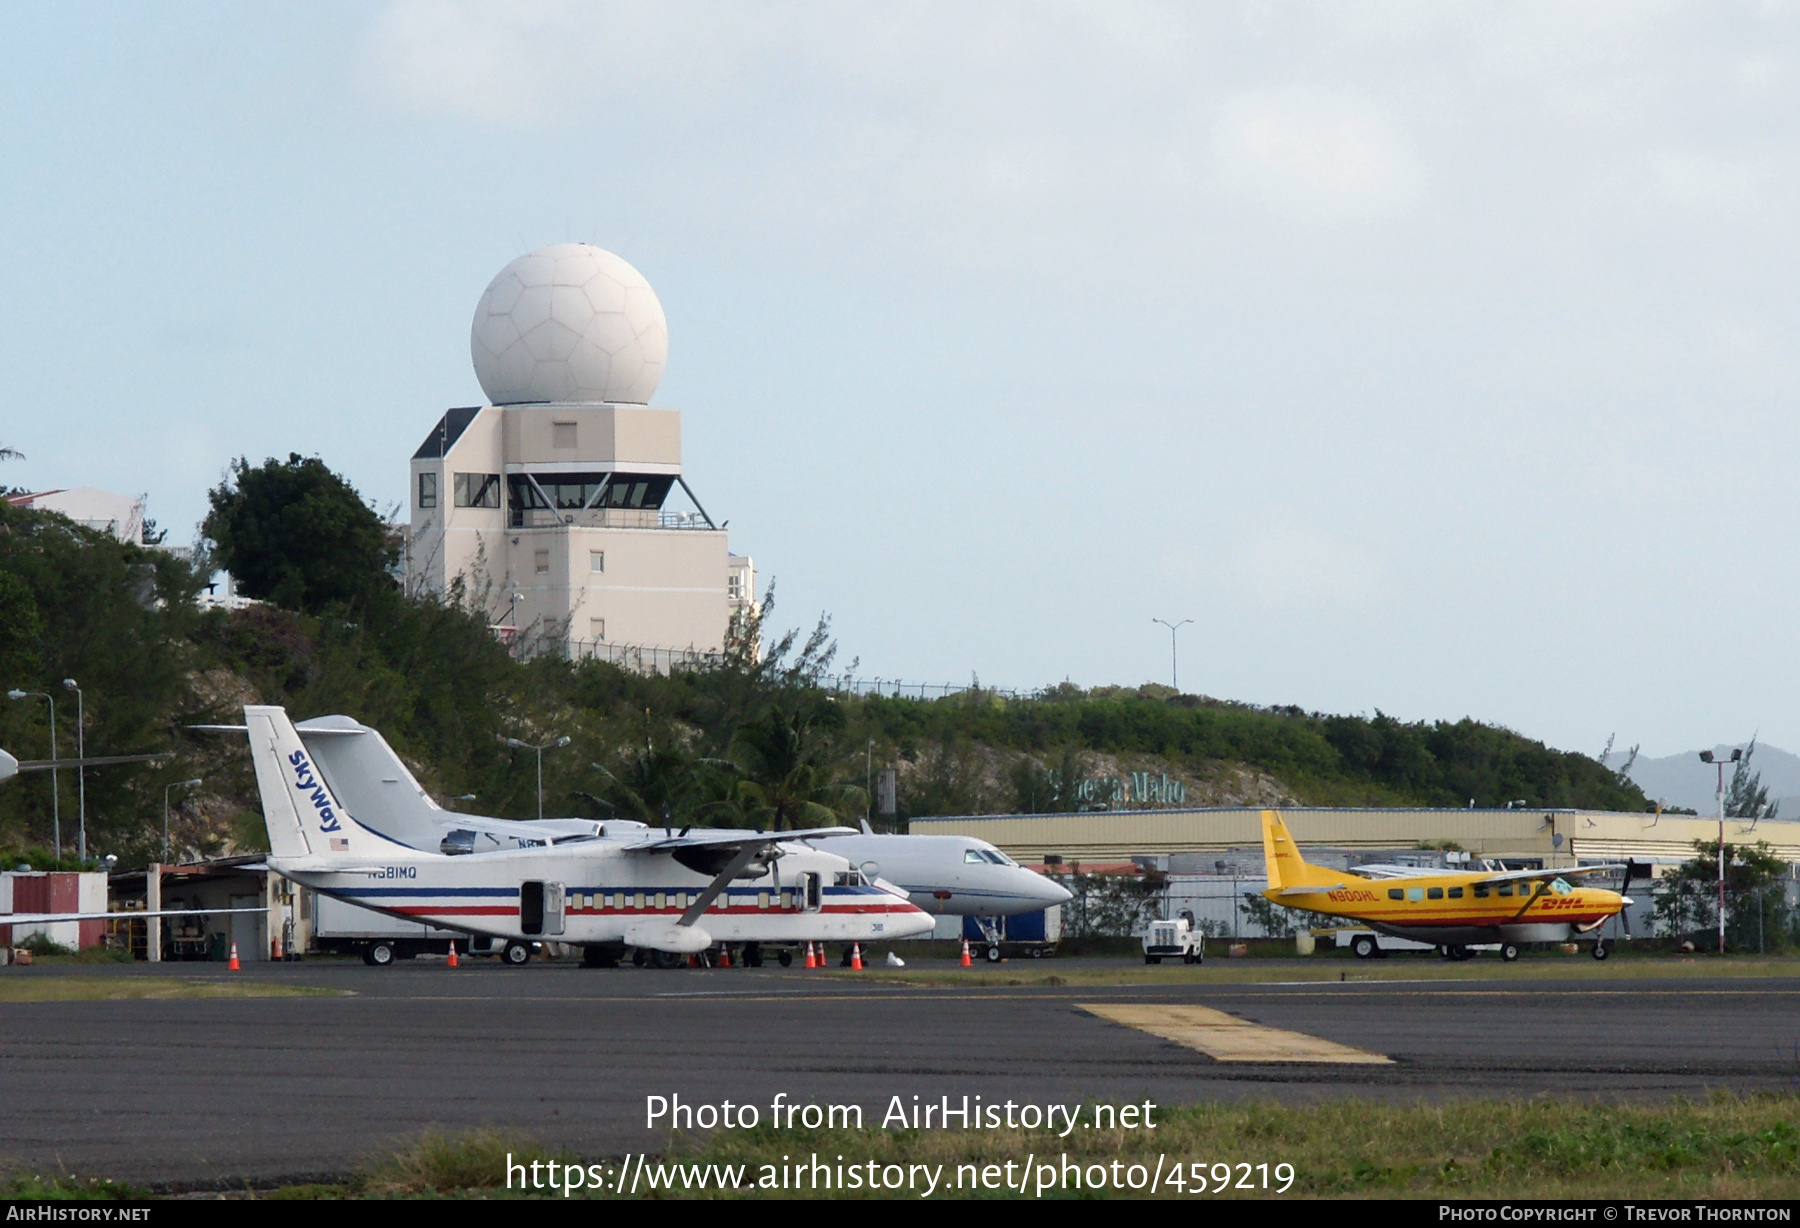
[553, 908]
[531, 908]
[812, 893]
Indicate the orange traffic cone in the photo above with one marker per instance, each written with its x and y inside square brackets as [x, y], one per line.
[724, 957]
[232, 964]
[693, 961]
[451, 962]
[856, 957]
[966, 961]
[809, 956]
[275, 949]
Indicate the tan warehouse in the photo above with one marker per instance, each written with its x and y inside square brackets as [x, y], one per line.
[1550, 837]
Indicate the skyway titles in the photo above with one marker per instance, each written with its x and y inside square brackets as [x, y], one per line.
[309, 787]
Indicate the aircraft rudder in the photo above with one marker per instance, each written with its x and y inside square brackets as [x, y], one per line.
[287, 832]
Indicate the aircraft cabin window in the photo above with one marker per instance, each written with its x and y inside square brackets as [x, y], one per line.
[1415, 894]
[762, 899]
[1436, 893]
[973, 857]
[1481, 891]
[1456, 893]
[1394, 893]
[1505, 888]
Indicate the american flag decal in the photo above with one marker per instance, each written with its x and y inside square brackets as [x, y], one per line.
[339, 845]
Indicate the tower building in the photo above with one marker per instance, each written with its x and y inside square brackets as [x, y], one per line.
[558, 506]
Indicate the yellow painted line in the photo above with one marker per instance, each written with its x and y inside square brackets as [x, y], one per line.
[1226, 1038]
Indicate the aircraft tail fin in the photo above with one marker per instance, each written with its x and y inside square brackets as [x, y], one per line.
[1282, 859]
[303, 816]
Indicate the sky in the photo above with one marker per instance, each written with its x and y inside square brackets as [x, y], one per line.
[1433, 359]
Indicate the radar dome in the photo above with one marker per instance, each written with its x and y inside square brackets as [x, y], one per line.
[569, 322]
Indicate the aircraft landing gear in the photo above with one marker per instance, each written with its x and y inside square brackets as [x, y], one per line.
[601, 955]
[993, 954]
[639, 957]
[1601, 949]
[785, 958]
[516, 955]
[1363, 946]
[1509, 951]
[752, 954]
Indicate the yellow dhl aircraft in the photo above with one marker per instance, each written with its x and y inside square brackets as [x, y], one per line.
[1453, 910]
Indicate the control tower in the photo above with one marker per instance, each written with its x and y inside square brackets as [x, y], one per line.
[559, 506]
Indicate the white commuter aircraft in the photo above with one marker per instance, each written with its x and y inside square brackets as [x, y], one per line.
[675, 894]
[942, 875]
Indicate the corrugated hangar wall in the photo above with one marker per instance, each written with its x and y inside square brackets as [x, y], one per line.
[1557, 837]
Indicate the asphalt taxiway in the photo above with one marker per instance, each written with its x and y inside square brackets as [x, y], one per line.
[207, 1090]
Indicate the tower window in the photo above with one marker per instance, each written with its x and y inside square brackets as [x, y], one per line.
[562, 434]
[596, 560]
[596, 628]
[477, 490]
[428, 489]
[543, 561]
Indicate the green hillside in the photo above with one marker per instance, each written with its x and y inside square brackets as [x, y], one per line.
[751, 741]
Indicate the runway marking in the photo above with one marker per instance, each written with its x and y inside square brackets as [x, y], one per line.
[1226, 1038]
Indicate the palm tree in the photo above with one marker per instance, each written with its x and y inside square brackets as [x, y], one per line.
[783, 781]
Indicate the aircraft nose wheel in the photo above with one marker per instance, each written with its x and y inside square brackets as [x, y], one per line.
[993, 955]
[1601, 949]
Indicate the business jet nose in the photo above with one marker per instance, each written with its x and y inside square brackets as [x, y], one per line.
[1048, 891]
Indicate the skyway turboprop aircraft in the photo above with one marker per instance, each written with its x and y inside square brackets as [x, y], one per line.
[942, 875]
[671, 893]
[1452, 910]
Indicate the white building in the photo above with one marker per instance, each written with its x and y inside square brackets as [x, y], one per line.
[120, 515]
[559, 506]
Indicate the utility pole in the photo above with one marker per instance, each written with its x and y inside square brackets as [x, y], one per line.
[1706, 756]
[518, 745]
[80, 771]
[1174, 677]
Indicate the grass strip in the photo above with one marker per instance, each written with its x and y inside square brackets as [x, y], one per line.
[1723, 1147]
[112, 989]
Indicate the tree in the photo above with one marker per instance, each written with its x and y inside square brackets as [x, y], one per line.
[1757, 916]
[1748, 797]
[296, 534]
[786, 778]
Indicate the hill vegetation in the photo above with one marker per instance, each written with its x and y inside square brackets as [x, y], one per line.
[758, 738]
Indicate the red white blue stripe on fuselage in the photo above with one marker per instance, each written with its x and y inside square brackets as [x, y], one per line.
[470, 903]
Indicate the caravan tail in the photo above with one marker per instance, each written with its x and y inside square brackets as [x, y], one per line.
[303, 816]
[1282, 860]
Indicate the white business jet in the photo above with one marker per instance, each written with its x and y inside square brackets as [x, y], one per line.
[941, 875]
[655, 890]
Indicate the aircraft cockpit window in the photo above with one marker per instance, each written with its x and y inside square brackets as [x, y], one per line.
[848, 878]
[1560, 886]
[1456, 893]
[1505, 888]
[1481, 891]
[973, 857]
[995, 856]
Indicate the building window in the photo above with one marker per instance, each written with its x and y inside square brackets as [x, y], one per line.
[477, 490]
[428, 490]
[596, 560]
[596, 628]
[562, 434]
[734, 586]
[543, 561]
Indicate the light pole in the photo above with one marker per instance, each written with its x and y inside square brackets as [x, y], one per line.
[518, 745]
[1706, 756]
[55, 791]
[80, 772]
[180, 784]
[1173, 628]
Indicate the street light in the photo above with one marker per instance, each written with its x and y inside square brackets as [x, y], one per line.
[1173, 628]
[180, 784]
[518, 745]
[55, 791]
[1706, 756]
[80, 772]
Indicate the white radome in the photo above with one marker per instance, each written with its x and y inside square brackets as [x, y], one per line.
[569, 322]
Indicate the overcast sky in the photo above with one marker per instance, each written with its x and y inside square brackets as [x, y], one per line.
[1432, 358]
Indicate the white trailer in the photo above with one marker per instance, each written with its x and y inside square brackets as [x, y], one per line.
[345, 929]
[1368, 944]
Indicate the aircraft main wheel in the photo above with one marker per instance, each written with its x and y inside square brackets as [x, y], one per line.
[516, 955]
[1601, 950]
[1363, 946]
[753, 955]
[785, 958]
[378, 954]
[1509, 952]
[993, 955]
[670, 959]
[639, 957]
